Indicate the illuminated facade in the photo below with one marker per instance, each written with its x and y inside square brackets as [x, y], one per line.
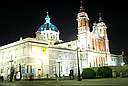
[47, 55]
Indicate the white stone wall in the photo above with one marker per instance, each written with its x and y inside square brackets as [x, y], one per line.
[12, 53]
[28, 53]
[66, 59]
[20, 53]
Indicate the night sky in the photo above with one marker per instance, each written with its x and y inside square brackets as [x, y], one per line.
[23, 18]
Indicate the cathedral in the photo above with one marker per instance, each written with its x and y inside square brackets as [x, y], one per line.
[47, 55]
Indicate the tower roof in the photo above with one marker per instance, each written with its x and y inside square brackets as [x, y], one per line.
[100, 18]
[47, 25]
[81, 6]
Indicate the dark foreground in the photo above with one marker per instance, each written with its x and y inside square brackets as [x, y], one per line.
[85, 82]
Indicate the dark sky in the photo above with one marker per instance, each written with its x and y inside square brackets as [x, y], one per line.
[23, 18]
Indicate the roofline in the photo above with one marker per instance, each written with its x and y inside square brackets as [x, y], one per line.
[22, 41]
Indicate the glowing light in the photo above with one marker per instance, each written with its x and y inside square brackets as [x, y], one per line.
[36, 52]
[44, 50]
[40, 55]
[122, 64]
[45, 56]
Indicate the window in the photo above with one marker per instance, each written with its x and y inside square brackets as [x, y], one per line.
[69, 45]
[47, 35]
[53, 36]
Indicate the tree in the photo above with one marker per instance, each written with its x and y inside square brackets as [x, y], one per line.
[88, 73]
[104, 72]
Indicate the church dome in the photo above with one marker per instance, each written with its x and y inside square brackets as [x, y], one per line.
[48, 25]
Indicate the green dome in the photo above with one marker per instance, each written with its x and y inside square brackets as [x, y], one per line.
[47, 25]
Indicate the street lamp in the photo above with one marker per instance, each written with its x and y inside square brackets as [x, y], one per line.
[12, 70]
[59, 68]
[11, 61]
[79, 76]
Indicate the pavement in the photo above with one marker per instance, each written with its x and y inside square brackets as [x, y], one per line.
[84, 82]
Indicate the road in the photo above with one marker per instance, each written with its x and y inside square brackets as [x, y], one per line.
[85, 82]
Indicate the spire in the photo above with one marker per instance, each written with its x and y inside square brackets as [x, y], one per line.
[47, 19]
[81, 6]
[47, 13]
[100, 18]
[122, 53]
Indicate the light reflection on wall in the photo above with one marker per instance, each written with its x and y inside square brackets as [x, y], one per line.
[40, 55]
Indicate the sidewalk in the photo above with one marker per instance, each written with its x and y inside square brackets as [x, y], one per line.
[84, 82]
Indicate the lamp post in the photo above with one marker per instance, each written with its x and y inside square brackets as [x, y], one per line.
[79, 76]
[12, 70]
[59, 68]
[11, 61]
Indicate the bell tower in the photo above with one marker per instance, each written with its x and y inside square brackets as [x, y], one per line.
[102, 31]
[83, 28]
[82, 19]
